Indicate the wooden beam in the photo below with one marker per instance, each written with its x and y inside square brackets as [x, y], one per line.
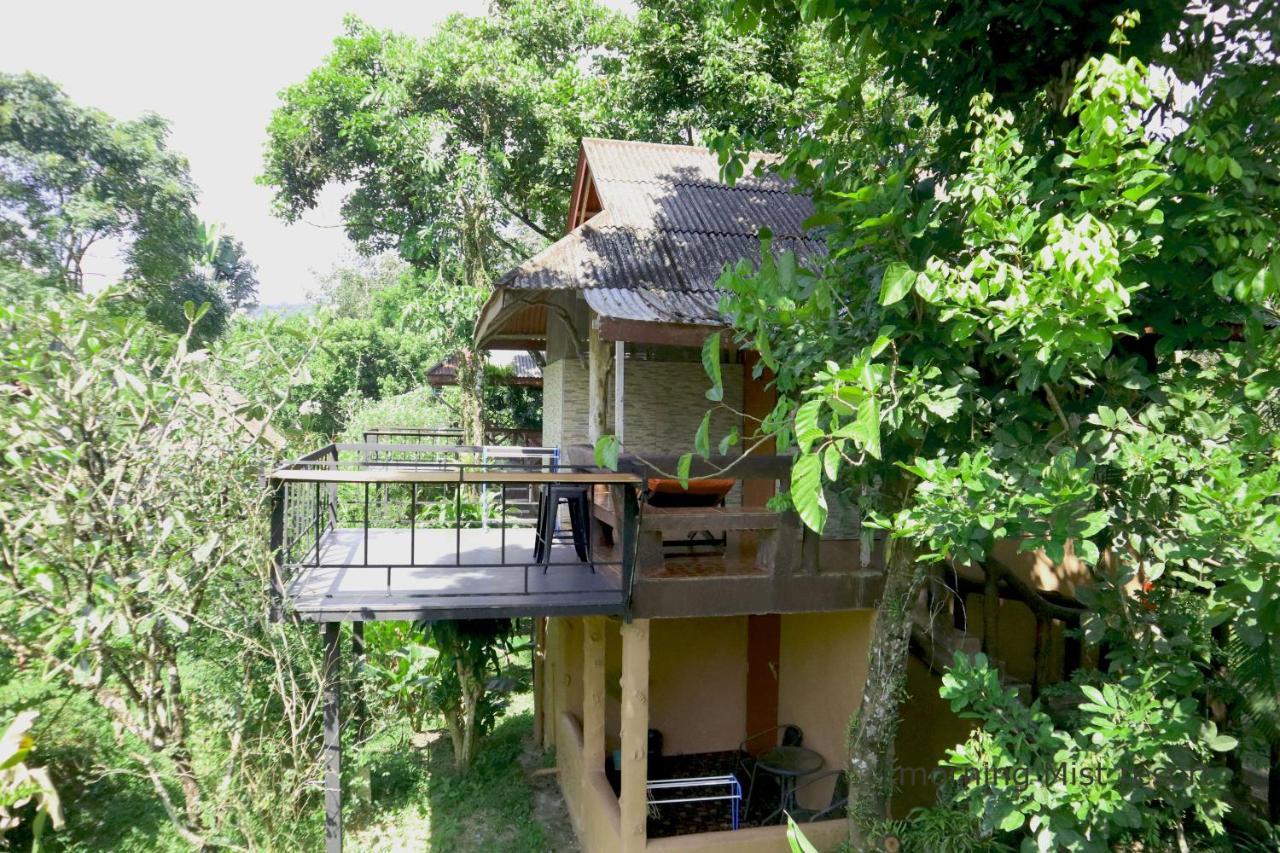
[333, 737]
[658, 334]
[633, 802]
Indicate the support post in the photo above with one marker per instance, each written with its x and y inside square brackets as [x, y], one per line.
[598, 363]
[277, 552]
[361, 711]
[539, 680]
[619, 369]
[333, 737]
[633, 805]
[593, 695]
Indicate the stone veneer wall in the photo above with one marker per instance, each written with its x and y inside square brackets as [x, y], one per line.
[665, 402]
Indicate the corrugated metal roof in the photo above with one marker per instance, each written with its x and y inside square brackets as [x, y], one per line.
[667, 230]
[655, 162]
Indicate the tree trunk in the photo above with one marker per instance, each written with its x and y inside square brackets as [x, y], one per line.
[874, 727]
[471, 395]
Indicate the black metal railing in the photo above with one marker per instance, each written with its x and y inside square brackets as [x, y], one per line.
[494, 435]
[445, 522]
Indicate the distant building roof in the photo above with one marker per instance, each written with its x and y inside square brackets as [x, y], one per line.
[654, 228]
[524, 370]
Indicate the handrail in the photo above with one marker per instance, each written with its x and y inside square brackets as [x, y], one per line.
[455, 475]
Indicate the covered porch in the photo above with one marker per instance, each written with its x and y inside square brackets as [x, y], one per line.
[631, 707]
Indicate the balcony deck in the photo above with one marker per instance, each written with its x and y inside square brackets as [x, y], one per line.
[467, 573]
[371, 531]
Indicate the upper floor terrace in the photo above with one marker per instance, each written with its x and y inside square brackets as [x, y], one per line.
[378, 530]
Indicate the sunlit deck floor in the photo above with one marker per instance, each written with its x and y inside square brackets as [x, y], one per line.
[473, 576]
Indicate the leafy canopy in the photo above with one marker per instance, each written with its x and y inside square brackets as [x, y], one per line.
[1046, 315]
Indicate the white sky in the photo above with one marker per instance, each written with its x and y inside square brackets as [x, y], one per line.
[213, 70]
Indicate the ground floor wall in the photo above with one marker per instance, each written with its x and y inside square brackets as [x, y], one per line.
[697, 691]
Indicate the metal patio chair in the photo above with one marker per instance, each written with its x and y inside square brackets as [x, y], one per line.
[786, 734]
[839, 797]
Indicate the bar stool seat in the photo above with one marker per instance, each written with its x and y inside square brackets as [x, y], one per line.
[578, 497]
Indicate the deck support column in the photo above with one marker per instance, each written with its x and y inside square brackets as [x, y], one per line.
[593, 694]
[633, 805]
[598, 366]
[333, 737]
[277, 551]
[359, 708]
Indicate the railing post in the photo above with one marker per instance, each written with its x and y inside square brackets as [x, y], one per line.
[277, 551]
[484, 490]
[629, 543]
[333, 492]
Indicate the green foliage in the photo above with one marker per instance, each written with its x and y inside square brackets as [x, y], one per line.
[688, 71]
[796, 839]
[469, 654]
[21, 785]
[451, 136]
[508, 405]
[1046, 316]
[1019, 770]
[134, 560]
[72, 177]
[234, 274]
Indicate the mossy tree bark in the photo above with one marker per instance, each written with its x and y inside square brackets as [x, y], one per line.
[874, 727]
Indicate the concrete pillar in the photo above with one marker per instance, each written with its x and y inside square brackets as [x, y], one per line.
[593, 694]
[633, 805]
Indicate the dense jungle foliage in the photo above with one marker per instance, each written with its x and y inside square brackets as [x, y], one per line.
[1048, 314]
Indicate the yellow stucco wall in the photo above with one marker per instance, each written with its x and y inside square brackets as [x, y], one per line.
[592, 806]
[926, 731]
[822, 665]
[698, 683]
[697, 699]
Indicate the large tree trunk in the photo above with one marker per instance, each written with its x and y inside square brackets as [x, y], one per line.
[874, 727]
[471, 395]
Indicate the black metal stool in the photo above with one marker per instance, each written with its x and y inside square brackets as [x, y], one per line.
[579, 500]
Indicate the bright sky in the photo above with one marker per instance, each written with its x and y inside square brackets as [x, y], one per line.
[213, 71]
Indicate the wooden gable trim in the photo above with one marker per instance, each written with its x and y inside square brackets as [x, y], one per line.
[584, 203]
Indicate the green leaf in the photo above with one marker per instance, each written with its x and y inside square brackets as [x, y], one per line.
[763, 347]
[898, 281]
[1222, 743]
[806, 423]
[711, 364]
[866, 430]
[206, 548]
[1013, 820]
[831, 460]
[729, 440]
[799, 843]
[806, 491]
[702, 440]
[682, 469]
[606, 452]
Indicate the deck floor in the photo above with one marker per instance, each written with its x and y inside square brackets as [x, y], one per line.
[446, 576]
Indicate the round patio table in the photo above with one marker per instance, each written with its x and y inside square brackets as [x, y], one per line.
[788, 764]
